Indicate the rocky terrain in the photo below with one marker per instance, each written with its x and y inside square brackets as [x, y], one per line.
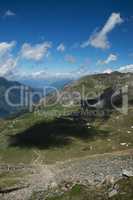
[52, 180]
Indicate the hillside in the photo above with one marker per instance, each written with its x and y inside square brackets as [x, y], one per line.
[6, 109]
[16, 96]
[53, 128]
[95, 84]
[50, 143]
[89, 87]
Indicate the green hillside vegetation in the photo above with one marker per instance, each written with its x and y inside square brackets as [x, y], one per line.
[14, 96]
[57, 137]
[51, 134]
[95, 84]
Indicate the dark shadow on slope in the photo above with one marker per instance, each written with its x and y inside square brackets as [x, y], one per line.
[56, 133]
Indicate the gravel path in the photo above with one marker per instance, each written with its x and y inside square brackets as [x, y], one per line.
[86, 170]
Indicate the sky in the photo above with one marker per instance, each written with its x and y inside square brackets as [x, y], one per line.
[41, 39]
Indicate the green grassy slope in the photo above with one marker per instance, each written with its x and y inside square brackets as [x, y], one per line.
[23, 138]
[47, 136]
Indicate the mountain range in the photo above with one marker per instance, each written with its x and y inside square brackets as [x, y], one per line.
[93, 86]
[30, 87]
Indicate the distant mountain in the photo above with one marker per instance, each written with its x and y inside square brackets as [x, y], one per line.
[29, 87]
[91, 86]
[13, 93]
[59, 83]
[96, 84]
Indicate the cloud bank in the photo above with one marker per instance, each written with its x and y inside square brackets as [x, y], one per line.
[126, 68]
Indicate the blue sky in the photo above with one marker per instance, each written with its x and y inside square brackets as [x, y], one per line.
[39, 39]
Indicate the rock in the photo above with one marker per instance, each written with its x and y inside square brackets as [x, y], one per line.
[131, 126]
[53, 185]
[112, 193]
[109, 180]
[127, 173]
[128, 131]
[123, 144]
[89, 127]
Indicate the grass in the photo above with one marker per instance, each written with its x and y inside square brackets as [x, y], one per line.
[57, 140]
[10, 179]
[42, 138]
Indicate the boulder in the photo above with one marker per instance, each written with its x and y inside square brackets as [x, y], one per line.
[127, 173]
[109, 180]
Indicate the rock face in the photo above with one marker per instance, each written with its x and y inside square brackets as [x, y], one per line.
[109, 98]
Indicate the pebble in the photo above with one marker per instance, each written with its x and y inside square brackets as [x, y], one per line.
[128, 131]
[123, 144]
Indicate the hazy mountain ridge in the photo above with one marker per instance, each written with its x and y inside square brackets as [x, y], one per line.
[6, 110]
[92, 86]
[49, 82]
[14, 96]
[95, 84]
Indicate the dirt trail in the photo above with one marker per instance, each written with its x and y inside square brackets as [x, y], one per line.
[89, 169]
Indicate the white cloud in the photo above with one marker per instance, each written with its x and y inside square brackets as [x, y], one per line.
[126, 68]
[7, 66]
[5, 46]
[70, 59]
[107, 71]
[61, 47]
[7, 61]
[100, 39]
[110, 58]
[35, 52]
[39, 74]
[9, 13]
